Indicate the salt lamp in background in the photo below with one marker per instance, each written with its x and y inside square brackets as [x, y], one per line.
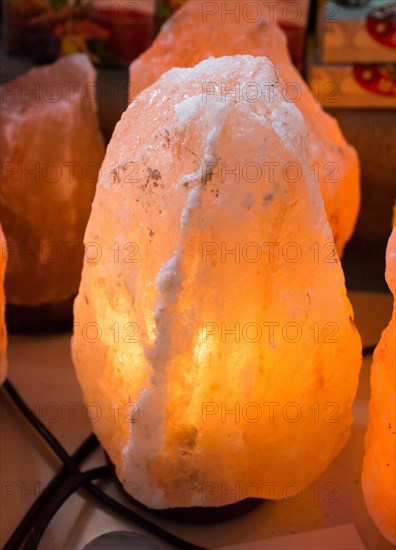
[52, 149]
[151, 347]
[3, 330]
[379, 466]
[199, 30]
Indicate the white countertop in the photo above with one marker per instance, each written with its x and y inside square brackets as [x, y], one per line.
[40, 368]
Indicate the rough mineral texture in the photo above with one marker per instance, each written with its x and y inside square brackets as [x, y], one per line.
[3, 331]
[52, 150]
[218, 289]
[379, 469]
[200, 30]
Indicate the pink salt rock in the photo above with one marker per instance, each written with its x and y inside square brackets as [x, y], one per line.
[52, 149]
[379, 466]
[3, 330]
[150, 345]
[200, 30]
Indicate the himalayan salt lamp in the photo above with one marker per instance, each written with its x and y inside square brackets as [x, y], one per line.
[379, 470]
[200, 30]
[52, 150]
[3, 332]
[151, 347]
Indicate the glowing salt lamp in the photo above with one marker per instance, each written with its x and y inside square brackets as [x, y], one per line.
[3, 332]
[203, 29]
[379, 470]
[51, 149]
[156, 343]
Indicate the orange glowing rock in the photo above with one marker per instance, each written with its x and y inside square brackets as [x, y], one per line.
[379, 470]
[200, 30]
[3, 331]
[52, 150]
[150, 343]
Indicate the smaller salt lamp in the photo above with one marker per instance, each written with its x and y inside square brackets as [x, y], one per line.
[3, 331]
[379, 471]
[52, 149]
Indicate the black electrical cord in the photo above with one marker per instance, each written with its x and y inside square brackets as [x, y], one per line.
[67, 489]
[22, 530]
[42, 430]
[71, 466]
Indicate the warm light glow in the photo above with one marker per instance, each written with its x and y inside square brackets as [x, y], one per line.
[3, 330]
[53, 150]
[247, 358]
[379, 467]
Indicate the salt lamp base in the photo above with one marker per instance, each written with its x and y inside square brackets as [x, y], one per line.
[44, 318]
[205, 515]
[194, 514]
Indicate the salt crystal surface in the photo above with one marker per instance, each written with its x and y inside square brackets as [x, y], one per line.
[3, 330]
[199, 35]
[173, 450]
[53, 148]
[379, 466]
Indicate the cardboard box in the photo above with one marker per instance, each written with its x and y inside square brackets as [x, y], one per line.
[353, 86]
[360, 34]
